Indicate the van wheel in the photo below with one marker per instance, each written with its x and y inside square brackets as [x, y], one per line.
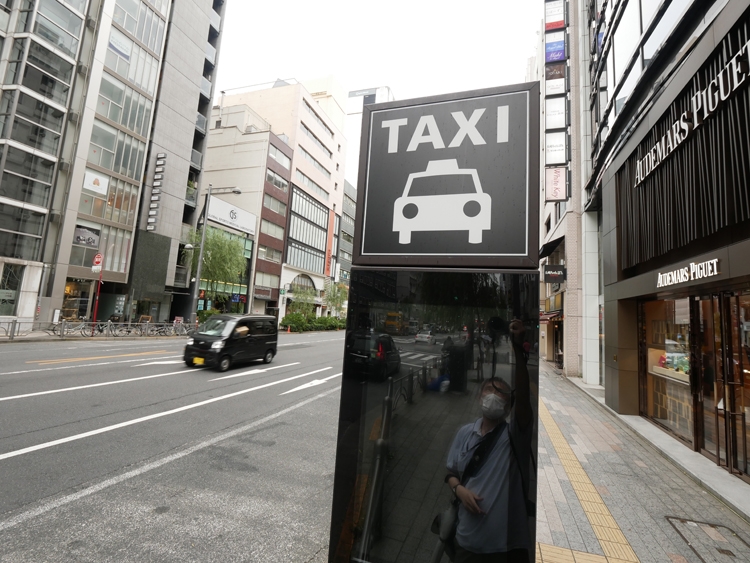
[224, 363]
[268, 358]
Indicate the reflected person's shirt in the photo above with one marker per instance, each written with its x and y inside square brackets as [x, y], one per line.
[504, 526]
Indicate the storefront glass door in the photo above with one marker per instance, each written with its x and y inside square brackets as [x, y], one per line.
[724, 342]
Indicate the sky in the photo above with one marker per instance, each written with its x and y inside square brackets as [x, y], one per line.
[417, 48]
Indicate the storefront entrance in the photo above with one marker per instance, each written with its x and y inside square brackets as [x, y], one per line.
[695, 373]
[722, 351]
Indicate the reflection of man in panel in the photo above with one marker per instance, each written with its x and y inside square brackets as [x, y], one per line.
[493, 514]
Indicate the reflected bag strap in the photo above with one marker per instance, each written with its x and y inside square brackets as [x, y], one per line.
[480, 454]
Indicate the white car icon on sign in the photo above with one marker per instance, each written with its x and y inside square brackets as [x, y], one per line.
[463, 206]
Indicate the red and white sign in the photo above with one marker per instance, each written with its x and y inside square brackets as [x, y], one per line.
[98, 260]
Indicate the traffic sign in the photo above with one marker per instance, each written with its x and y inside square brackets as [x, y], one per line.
[98, 260]
[451, 181]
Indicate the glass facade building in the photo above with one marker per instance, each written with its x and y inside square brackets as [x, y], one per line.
[80, 146]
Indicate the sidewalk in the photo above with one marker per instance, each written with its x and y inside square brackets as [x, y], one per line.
[610, 488]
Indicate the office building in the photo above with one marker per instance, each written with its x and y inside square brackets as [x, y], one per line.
[316, 184]
[105, 106]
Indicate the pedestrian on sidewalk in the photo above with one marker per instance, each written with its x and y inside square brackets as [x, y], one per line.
[488, 470]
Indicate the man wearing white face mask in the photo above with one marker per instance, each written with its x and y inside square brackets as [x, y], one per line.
[485, 466]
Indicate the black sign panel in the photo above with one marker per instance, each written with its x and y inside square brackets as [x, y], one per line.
[451, 181]
[554, 274]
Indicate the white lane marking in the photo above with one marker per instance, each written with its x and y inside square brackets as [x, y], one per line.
[414, 356]
[311, 342]
[158, 363]
[84, 365]
[253, 371]
[39, 511]
[92, 385]
[412, 365]
[313, 383]
[45, 445]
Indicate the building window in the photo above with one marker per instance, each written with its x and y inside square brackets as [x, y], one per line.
[274, 204]
[115, 150]
[131, 61]
[306, 232]
[347, 237]
[315, 140]
[307, 207]
[276, 180]
[317, 118]
[348, 221]
[306, 258]
[91, 238]
[124, 105]
[108, 198]
[271, 229]
[349, 201]
[344, 274]
[146, 26]
[262, 279]
[547, 225]
[279, 157]
[318, 166]
[58, 25]
[269, 254]
[11, 276]
[346, 255]
[311, 185]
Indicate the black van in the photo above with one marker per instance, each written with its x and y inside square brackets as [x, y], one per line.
[224, 340]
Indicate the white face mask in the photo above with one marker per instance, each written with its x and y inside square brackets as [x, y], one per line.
[494, 406]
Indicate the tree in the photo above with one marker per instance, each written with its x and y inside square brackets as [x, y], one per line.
[223, 258]
[335, 296]
[303, 301]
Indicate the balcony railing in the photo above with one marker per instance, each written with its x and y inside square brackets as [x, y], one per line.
[200, 123]
[191, 195]
[185, 233]
[210, 53]
[180, 276]
[196, 159]
[206, 87]
[215, 21]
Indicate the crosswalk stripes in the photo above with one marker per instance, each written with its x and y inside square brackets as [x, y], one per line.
[423, 357]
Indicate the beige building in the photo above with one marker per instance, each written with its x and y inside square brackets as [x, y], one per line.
[315, 192]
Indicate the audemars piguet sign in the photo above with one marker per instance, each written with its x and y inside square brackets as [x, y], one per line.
[691, 272]
[451, 180]
[703, 104]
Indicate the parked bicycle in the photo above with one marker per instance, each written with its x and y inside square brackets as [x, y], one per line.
[67, 327]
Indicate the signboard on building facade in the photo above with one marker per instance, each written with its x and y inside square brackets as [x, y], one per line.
[449, 180]
[223, 212]
[556, 184]
[554, 273]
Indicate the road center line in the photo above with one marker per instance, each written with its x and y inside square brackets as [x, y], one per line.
[149, 417]
[83, 366]
[52, 505]
[68, 360]
[92, 385]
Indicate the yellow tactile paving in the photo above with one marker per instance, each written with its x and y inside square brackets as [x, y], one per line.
[614, 544]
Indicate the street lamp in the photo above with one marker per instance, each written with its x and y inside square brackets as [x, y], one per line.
[194, 298]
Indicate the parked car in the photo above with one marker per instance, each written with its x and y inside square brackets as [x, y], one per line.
[225, 340]
[371, 356]
[425, 336]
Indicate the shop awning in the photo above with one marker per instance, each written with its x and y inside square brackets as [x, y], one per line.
[547, 317]
[550, 247]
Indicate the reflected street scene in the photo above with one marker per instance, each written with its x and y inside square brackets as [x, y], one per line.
[436, 449]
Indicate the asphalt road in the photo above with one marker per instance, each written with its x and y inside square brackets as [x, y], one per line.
[116, 451]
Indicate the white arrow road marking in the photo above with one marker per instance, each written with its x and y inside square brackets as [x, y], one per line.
[313, 383]
[157, 363]
[150, 417]
[253, 372]
[92, 385]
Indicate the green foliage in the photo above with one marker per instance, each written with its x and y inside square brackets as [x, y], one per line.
[335, 296]
[303, 301]
[299, 323]
[296, 321]
[223, 259]
[203, 315]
